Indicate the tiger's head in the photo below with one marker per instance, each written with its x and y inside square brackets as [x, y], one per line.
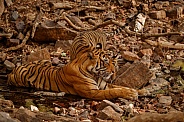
[97, 63]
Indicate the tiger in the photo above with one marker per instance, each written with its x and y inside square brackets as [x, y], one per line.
[95, 40]
[76, 77]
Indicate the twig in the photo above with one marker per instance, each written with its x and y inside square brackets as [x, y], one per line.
[95, 7]
[21, 45]
[68, 29]
[36, 23]
[71, 24]
[92, 22]
[83, 8]
[2, 7]
[170, 45]
[61, 6]
[7, 35]
[147, 35]
[87, 17]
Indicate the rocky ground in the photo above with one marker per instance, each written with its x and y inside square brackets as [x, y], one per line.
[44, 29]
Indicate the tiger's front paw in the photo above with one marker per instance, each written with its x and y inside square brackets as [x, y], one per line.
[143, 92]
[131, 94]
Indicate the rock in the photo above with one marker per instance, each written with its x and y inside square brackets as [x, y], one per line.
[5, 117]
[156, 85]
[73, 111]
[135, 76]
[31, 16]
[123, 68]
[158, 5]
[106, 103]
[20, 25]
[6, 104]
[42, 54]
[57, 109]
[125, 3]
[176, 38]
[161, 4]
[50, 31]
[156, 30]
[129, 56]
[145, 7]
[168, 57]
[146, 60]
[76, 20]
[12, 42]
[86, 120]
[148, 52]
[165, 100]
[34, 108]
[109, 16]
[63, 44]
[84, 115]
[130, 110]
[155, 117]
[84, 3]
[14, 15]
[157, 14]
[25, 115]
[50, 94]
[55, 61]
[78, 1]
[175, 13]
[139, 22]
[20, 36]
[108, 113]
[8, 2]
[2, 57]
[9, 65]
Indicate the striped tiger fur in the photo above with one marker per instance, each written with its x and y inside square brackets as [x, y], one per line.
[76, 77]
[95, 40]
[87, 40]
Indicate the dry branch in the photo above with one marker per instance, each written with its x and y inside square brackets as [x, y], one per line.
[165, 44]
[7, 35]
[87, 17]
[71, 24]
[62, 6]
[96, 8]
[102, 25]
[1, 7]
[36, 23]
[21, 45]
[83, 8]
[147, 35]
